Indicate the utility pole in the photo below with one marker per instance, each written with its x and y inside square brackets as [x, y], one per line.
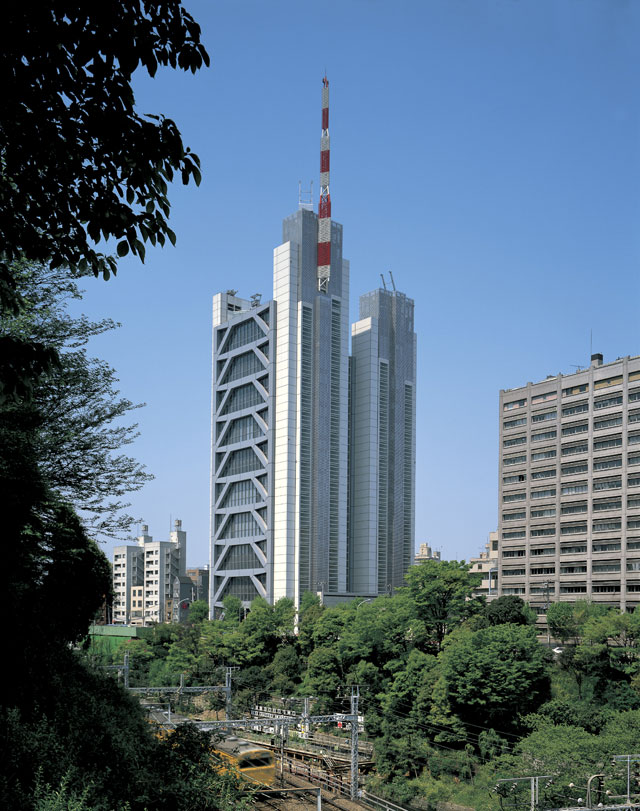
[355, 695]
[126, 671]
[227, 692]
[535, 786]
[628, 758]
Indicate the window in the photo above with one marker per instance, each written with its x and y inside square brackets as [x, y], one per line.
[634, 395]
[519, 477]
[547, 512]
[633, 543]
[542, 532]
[548, 415]
[514, 497]
[606, 526]
[608, 402]
[574, 568]
[610, 422]
[607, 504]
[516, 440]
[633, 523]
[573, 529]
[633, 501]
[543, 570]
[513, 553]
[607, 546]
[633, 439]
[578, 428]
[578, 447]
[571, 470]
[544, 435]
[576, 408]
[606, 464]
[550, 453]
[513, 516]
[514, 423]
[634, 375]
[633, 459]
[606, 588]
[633, 481]
[607, 381]
[577, 507]
[514, 460]
[516, 533]
[573, 588]
[576, 549]
[543, 474]
[571, 489]
[514, 404]
[607, 484]
[513, 590]
[575, 390]
[634, 416]
[607, 442]
[513, 572]
[543, 398]
[543, 493]
[605, 566]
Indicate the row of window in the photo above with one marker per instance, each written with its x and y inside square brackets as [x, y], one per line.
[578, 488]
[576, 428]
[633, 501]
[613, 545]
[571, 391]
[583, 447]
[601, 567]
[572, 588]
[580, 528]
[574, 408]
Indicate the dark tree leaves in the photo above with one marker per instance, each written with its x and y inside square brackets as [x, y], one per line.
[78, 163]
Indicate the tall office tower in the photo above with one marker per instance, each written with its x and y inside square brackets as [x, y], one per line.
[569, 494]
[241, 457]
[280, 426]
[311, 291]
[383, 443]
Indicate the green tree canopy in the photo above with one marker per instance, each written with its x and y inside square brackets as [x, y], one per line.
[441, 591]
[495, 675]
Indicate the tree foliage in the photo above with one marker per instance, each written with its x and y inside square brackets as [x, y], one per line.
[76, 411]
[79, 163]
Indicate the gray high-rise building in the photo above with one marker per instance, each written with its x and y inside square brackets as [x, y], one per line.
[382, 443]
[569, 490]
[283, 458]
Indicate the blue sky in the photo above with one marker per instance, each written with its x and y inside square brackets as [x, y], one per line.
[486, 151]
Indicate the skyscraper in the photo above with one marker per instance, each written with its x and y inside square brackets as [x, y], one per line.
[280, 425]
[383, 442]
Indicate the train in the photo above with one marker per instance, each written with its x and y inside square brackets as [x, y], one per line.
[254, 763]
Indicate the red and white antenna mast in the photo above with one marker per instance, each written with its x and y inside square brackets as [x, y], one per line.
[324, 205]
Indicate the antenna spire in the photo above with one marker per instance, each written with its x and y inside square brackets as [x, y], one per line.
[324, 204]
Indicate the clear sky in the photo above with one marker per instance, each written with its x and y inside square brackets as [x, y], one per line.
[485, 151]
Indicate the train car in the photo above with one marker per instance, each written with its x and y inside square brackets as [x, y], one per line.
[254, 763]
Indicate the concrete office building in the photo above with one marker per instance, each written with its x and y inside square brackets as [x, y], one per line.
[383, 442]
[143, 577]
[569, 490]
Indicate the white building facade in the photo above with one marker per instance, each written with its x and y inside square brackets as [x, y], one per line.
[143, 577]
